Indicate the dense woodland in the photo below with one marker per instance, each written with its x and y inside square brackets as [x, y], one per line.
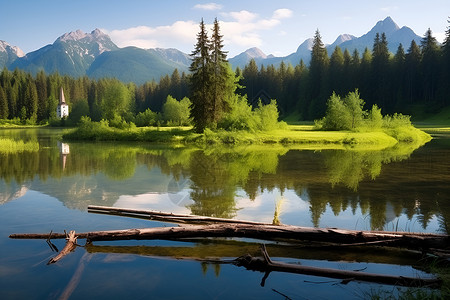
[416, 77]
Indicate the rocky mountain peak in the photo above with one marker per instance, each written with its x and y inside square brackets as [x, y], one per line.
[97, 33]
[255, 53]
[72, 36]
[5, 47]
[387, 26]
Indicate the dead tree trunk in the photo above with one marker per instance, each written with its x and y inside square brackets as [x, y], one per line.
[265, 232]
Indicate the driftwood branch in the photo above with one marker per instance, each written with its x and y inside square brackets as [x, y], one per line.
[164, 216]
[266, 265]
[264, 232]
[70, 246]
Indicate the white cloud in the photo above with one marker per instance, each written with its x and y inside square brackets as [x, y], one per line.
[208, 6]
[240, 29]
[242, 16]
[282, 13]
[245, 27]
[152, 37]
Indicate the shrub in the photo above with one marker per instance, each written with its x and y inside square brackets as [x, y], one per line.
[176, 112]
[147, 118]
[118, 122]
[80, 108]
[337, 116]
[267, 115]
[396, 120]
[240, 116]
[374, 118]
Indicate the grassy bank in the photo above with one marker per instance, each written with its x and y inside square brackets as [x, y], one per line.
[293, 134]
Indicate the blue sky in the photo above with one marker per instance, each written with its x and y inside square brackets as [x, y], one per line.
[276, 27]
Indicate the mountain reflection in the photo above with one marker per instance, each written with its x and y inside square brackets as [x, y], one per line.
[383, 184]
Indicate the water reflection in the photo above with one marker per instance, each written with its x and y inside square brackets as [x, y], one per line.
[379, 186]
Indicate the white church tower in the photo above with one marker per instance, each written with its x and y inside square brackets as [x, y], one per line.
[63, 109]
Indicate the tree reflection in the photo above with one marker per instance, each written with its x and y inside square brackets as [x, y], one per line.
[217, 173]
[381, 184]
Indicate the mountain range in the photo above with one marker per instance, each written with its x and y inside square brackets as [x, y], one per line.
[95, 54]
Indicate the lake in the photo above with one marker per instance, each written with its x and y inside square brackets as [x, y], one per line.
[397, 189]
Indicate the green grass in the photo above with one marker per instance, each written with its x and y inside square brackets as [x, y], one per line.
[301, 136]
[11, 146]
[16, 123]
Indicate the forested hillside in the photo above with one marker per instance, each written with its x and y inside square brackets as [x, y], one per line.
[417, 75]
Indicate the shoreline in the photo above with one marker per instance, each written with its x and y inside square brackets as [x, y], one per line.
[294, 135]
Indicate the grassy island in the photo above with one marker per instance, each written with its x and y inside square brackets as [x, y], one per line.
[305, 135]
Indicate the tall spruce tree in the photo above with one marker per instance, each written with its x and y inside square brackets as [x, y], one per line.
[213, 82]
[379, 67]
[317, 75]
[251, 75]
[445, 87]
[413, 89]
[223, 83]
[430, 65]
[3, 104]
[201, 81]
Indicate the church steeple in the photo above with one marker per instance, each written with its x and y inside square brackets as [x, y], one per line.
[62, 110]
[62, 99]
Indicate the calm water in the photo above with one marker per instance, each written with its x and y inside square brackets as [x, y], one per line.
[402, 188]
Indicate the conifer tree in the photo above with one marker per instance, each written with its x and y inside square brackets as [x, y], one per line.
[398, 74]
[3, 104]
[379, 66]
[250, 74]
[317, 77]
[412, 65]
[200, 81]
[430, 65]
[223, 81]
[445, 87]
[336, 78]
[213, 82]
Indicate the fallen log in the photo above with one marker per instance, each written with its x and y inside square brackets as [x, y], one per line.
[164, 216]
[71, 244]
[266, 265]
[265, 232]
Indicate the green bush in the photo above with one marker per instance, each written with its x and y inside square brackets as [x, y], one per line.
[240, 116]
[147, 118]
[79, 109]
[396, 120]
[344, 114]
[176, 112]
[337, 116]
[120, 123]
[267, 115]
[374, 118]
[349, 114]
